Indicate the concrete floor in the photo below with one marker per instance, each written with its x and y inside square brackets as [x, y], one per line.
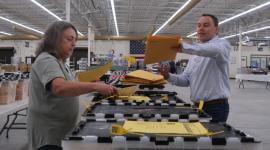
[249, 112]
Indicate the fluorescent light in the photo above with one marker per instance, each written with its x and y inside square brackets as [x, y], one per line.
[245, 12]
[5, 33]
[114, 17]
[259, 29]
[47, 10]
[230, 36]
[3, 18]
[51, 13]
[267, 37]
[247, 32]
[192, 34]
[238, 15]
[80, 33]
[181, 8]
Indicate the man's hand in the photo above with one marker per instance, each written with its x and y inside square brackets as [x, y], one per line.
[164, 70]
[179, 47]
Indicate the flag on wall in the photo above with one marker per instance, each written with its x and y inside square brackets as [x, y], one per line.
[136, 47]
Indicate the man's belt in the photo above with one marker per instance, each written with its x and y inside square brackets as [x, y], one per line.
[214, 102]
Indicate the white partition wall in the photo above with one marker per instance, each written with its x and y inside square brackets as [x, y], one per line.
[103, 47]
[100, 47]
[23, 47]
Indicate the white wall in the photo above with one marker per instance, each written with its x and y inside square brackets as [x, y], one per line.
[247, 51]
[21, 49]
[100, 47]
[103, 47]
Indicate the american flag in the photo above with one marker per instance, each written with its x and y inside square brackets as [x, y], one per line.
[137, 47]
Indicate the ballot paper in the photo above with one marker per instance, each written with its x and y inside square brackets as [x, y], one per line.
[95, 74]
[158, 48]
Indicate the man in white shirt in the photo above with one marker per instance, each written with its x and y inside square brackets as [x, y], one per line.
[207, 72]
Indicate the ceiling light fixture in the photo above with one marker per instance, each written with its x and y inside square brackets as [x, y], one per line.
[247, 32]
[267, 37]
[8, 20]
[238, 15]
[181, 8]
[5, 33]
[114, 17]
[47, 10]
[51, 13]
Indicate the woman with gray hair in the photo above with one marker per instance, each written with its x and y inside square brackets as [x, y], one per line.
[53, 102]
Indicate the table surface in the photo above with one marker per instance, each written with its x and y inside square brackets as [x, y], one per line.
[12, 107]
[253, 77]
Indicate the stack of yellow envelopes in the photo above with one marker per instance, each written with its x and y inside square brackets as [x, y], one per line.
[143, 77]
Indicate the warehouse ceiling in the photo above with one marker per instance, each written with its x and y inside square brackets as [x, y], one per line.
[134, 17]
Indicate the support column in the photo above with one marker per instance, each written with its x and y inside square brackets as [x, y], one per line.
[240, 49]
[68, 20]
[91, 35]
[68, 10]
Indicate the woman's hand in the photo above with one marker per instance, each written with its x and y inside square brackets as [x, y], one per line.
[106, 89]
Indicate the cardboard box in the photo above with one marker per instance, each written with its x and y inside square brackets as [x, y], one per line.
[23, 67]
[7, 92]
[22, 89]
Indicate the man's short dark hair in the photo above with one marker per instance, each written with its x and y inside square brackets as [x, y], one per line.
[214, 18]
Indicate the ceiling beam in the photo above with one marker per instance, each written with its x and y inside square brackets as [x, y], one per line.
[19, 37]
[26, 31]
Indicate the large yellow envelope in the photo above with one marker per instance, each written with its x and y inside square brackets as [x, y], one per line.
[158, 48]
[143, 82]
[127, 94]
[140, 74]
[128, 91]
[178, 128]
[135, 98]
[95, 74]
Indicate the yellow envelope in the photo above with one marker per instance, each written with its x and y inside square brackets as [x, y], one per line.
[136, 82]
[135, 98]
[158, 48]
[128, 91]
[178, 128]
[95, 74]
[141, 74]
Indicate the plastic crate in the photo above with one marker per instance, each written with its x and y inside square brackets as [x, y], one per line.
[95, 134]
[182, 111]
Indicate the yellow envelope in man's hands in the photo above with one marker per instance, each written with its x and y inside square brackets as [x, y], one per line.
[159, 48]
[95, 74]
[127, 91]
